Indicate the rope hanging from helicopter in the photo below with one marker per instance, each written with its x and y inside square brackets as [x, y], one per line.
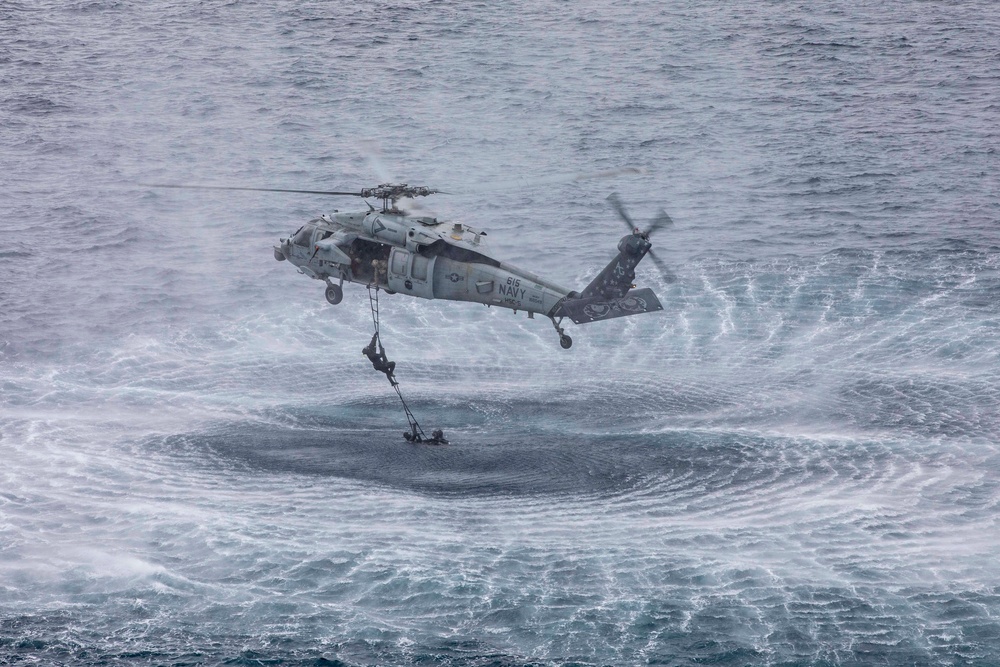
[381, 363]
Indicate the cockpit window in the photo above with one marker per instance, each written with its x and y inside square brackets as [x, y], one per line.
[303, 236]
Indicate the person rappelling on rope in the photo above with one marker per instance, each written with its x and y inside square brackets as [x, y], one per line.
[379, 361]
[376, 354]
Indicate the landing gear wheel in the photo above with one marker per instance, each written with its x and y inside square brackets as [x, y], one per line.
[334, 294]
[565, 341]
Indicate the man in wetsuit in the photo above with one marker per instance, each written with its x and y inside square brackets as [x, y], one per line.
[437, 436]
[379, 360]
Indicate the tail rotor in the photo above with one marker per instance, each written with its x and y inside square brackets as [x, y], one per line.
[661, 221]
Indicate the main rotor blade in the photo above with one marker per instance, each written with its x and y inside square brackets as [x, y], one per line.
[668, 275]
[521, 183]
[619, 207]
[660, 221]
[235, 187]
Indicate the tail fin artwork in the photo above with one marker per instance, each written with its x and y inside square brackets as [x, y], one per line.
[610, 294]
[594, 309]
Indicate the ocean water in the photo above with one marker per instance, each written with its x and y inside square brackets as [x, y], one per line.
[796, 463]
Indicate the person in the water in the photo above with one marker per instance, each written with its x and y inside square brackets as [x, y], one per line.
[437, 436]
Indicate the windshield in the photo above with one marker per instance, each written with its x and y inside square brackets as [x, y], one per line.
[303, 236]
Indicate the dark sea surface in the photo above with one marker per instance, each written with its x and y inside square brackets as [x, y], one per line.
[796, 463]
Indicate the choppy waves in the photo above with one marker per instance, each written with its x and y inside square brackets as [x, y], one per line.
[798, 466]
[688, 545]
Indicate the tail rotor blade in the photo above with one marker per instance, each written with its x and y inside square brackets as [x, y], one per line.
[616, 203]
[668, 275]
[661, 221]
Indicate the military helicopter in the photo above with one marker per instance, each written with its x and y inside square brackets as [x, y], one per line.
[401, 251]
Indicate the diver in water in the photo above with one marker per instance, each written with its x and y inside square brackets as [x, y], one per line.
[437, 436]
[379, 361]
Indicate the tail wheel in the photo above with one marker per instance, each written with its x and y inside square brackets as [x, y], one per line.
[334, 294]
[565, 341]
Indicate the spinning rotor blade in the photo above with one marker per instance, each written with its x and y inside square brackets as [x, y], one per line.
[659, 222]
[235, 187]
[668, 275]
[619, 207]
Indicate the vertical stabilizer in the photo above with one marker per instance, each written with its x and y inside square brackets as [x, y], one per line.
[616, 278]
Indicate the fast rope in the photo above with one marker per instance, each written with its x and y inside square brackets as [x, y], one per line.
[381, 363]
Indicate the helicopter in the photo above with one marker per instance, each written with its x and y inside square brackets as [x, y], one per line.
[398, 249]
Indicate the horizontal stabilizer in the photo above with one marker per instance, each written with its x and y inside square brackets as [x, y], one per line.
[595, 308]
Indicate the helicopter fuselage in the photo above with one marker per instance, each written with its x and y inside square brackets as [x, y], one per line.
[416, 256]
[419, 256]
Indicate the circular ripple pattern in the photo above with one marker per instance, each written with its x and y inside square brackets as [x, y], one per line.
[796, 462]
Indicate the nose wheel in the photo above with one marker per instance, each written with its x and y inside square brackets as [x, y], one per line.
[565, 341]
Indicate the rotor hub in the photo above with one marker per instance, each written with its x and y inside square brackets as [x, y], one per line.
[392, 192]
